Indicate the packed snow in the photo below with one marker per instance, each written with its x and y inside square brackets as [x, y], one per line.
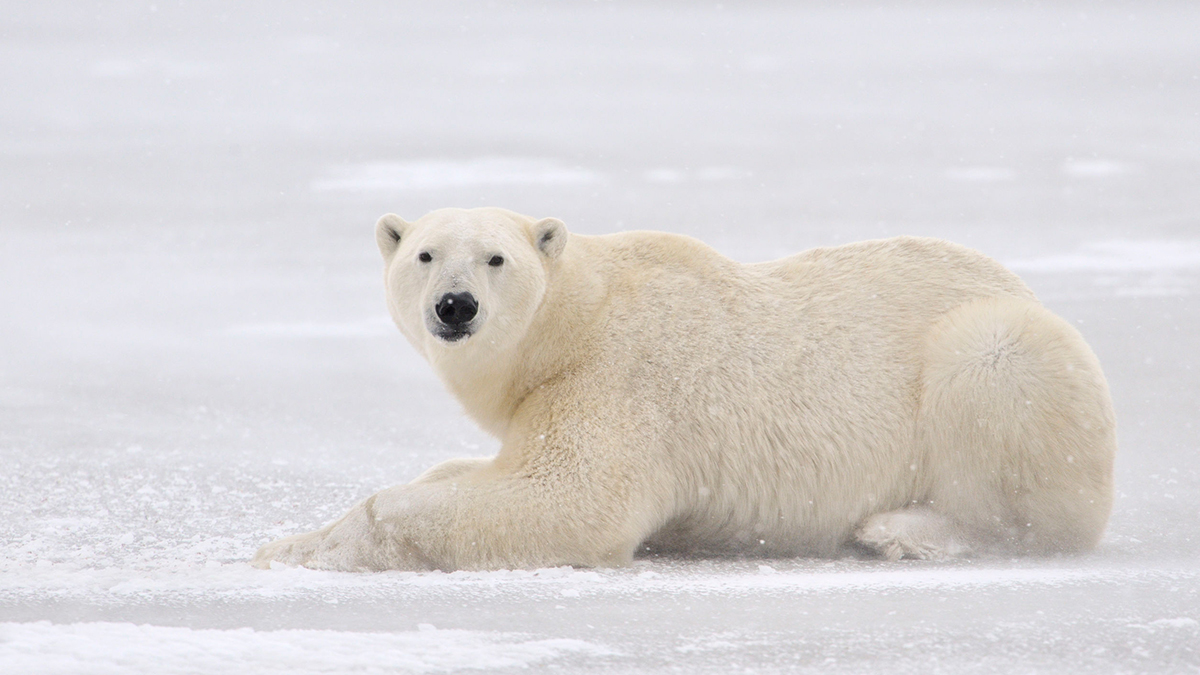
[195, 358]
[121, 647]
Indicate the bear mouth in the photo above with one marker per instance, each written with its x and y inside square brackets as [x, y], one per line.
[452, 334]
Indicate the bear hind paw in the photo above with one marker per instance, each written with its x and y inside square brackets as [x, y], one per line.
[918, 534]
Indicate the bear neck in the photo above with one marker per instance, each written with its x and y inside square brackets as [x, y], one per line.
[492, 386]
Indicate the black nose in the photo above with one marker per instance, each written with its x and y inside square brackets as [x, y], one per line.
[455, 309]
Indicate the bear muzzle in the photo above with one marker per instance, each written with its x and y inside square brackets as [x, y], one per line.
[454, 312]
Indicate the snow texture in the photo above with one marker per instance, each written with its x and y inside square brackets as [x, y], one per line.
[122, 647]
[195, 358]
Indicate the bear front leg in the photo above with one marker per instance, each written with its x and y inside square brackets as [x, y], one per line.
[355, 542]
[361, 541]
[474, 521]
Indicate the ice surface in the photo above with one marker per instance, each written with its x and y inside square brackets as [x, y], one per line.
[440, 174]
[194, 355]
[123, 648]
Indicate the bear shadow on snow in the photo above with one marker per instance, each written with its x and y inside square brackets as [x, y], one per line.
[906, 396]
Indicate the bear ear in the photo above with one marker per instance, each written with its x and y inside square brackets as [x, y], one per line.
[550, 236]
[388, 232]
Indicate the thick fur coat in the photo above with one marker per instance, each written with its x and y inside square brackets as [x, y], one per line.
[906, 395]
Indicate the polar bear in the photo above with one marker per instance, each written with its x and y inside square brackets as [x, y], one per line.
[908, 396]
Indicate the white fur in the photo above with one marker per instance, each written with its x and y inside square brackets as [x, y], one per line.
[908, 395]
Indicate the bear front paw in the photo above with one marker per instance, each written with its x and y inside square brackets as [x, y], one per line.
[297, 549]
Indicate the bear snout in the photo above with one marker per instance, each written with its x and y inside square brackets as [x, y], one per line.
[455, 309]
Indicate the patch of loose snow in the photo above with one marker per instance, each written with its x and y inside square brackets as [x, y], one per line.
[239, 581]
[925, 579]
[664, 176]
[1181, 622]
[101, 648]
[1095, 168]
[1118, 256]
[723, 641]
[434, 174]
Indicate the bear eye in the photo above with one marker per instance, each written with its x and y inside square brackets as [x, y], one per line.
[496, 261]
[424, 256]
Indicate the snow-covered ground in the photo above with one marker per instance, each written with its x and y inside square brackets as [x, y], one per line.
[194, 356]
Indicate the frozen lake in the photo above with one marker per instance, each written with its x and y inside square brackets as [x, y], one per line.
[195, 356]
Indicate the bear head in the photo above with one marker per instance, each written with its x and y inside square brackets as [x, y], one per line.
[468, 279]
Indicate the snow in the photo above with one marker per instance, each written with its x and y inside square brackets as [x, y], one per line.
[195, 356]
[1119, 256]
[102, 647]
[439, 174]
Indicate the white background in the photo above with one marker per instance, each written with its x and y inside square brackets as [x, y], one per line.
[195, 358]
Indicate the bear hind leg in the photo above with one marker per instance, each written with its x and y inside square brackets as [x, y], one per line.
[918, 533]
[1016, 429]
